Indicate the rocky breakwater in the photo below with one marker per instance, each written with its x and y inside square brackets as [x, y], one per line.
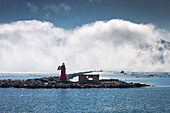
[54, 82]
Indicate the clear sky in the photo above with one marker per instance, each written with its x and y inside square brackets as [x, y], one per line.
[71, 13]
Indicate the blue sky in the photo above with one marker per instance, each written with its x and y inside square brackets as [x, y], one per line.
[69, 14]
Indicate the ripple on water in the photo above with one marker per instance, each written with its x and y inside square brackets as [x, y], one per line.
[85, 100]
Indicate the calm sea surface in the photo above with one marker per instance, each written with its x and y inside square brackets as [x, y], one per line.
[132, 100]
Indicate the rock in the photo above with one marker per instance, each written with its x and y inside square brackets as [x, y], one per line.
[122, 72]
[150, 75]
[53, 82]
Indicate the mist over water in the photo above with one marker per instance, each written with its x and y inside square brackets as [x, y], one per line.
[109, 45]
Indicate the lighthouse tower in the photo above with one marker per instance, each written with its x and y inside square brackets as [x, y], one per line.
[63, 73]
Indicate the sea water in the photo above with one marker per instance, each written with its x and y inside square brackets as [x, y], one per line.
[115, 100]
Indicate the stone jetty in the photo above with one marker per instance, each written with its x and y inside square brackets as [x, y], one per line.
[54, 82]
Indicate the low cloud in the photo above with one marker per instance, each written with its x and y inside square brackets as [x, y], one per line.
[109, 45]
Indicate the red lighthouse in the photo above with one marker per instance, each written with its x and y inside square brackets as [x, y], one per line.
[63, 72]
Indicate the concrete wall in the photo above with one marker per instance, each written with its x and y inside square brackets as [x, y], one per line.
[89, 78]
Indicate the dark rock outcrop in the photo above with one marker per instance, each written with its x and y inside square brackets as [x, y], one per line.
[54, 82]
[122, 72]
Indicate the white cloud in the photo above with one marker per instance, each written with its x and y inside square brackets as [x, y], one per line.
[94, 0]
[47, 15]
[114, 45]
[32, 7]
[58, 7]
